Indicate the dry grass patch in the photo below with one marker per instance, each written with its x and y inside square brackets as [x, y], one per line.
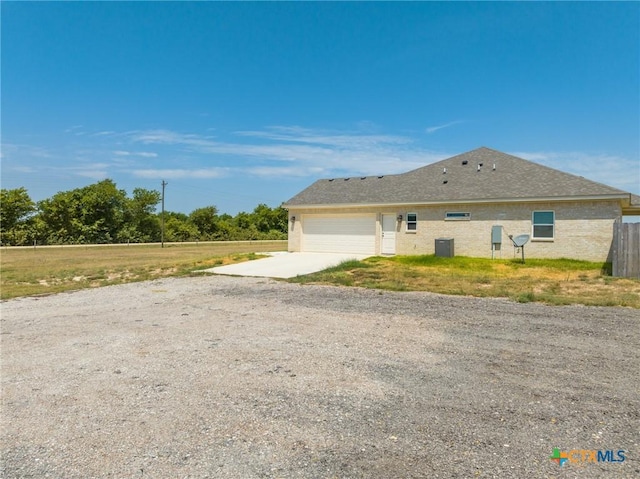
[46, 270]
[559, 282]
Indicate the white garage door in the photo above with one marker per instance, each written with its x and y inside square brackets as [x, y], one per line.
[339, 234]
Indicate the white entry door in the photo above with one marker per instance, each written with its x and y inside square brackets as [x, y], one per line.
[388, 243]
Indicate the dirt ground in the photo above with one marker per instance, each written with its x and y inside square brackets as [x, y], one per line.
[224, 377]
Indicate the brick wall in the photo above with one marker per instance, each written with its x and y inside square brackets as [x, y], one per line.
[583, 230]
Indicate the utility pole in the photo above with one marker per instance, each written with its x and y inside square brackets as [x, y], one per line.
[164, 183]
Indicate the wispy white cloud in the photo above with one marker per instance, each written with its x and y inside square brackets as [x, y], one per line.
[93, 174]
[313, 153]
[311, 150]
[168, 137]
[283, 171]
[617, 171]
[17, 151]
[298, 134]
[275, 152]
[95, 171]
[88, 169]
[143, 154]
[433, 129]
[168, 173]
[50, 162]
[24, 169]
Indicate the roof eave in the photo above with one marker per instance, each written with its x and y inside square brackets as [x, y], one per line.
[632, 210]
[458, 202]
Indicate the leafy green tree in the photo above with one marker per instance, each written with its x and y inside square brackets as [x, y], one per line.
[270, 223]
[16, 207]
[142, 225]
[57, 214]
[177, 227]
[245, 229]
[281, 220]
[226, 229]
[37, 230]
[262, 218]
[93, 214]
[206, 220]
[242, 220]
[103, 210]
[101, 213]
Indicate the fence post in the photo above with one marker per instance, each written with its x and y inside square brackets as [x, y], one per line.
[633, 245]
[616, 248]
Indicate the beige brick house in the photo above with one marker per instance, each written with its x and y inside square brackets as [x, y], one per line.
[478, 199]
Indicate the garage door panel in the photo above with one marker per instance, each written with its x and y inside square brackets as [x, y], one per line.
[339, 234]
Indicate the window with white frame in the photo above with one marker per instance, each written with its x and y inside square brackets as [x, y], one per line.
[412, 221]
[543, 225]
[457, 216]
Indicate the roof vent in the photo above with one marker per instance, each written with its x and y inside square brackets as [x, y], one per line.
[481, 164]
[346, 179]
[444, 171]
[445, 182]
[464, 162]
[363, 177]
[478, 167]
[381, 176]
[494, 167]
[331, 179]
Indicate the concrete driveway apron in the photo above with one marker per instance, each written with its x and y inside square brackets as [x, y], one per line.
[285, 265]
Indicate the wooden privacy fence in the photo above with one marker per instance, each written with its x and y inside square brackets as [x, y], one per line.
[626, 250]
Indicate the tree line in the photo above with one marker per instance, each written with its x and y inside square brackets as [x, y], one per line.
[101, 213]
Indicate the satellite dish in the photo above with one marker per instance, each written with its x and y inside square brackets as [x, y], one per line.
[520, 240]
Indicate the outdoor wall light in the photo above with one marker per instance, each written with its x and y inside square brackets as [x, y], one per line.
[399, 218]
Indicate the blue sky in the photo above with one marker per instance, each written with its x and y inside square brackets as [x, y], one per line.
[236, 104]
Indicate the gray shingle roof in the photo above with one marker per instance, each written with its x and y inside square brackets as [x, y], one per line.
[476, 180]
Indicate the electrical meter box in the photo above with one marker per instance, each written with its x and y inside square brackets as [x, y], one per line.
[496, 234]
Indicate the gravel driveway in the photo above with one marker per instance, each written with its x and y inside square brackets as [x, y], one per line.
[225, 377]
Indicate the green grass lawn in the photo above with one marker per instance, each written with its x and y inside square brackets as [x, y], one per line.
[44, 270]
[557, 281]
